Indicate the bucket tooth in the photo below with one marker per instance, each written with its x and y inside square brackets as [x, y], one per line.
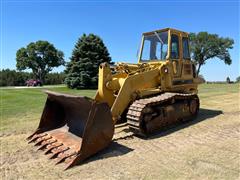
[69, 159]
[30, 137]
[63, 156]
[58, 151]
[42, 139]
[52, 146]
[35, 137]
[70, 162]
[44, 144]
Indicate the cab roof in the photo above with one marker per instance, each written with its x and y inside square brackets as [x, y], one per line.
[166, 29]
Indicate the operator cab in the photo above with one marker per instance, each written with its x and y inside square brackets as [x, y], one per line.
[164, 44]
[168, 45]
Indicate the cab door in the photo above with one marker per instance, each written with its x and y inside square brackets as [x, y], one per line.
[175, 54]
[187, 72]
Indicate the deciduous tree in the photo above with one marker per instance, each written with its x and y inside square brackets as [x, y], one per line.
[41, 57]
[205, 46]
[238, 79]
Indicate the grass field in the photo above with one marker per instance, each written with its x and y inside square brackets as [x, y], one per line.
[27, 105]
[203, 149]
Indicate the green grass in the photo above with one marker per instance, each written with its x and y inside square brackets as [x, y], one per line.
[209, 90]
[21, 108]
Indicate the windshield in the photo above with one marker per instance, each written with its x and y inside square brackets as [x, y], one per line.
[155, 46]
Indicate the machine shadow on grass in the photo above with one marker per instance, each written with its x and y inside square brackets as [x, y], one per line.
[203, 115]
[116, 149]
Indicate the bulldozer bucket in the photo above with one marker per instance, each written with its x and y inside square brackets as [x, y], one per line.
[72, 128]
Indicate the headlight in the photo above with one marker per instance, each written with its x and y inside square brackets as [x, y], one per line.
[165, 70]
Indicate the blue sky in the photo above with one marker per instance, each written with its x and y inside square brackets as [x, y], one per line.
[120, 25]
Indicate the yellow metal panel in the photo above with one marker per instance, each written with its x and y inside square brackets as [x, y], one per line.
[130, 86]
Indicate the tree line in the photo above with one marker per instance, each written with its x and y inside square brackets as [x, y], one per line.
[90, 51]
[17, 78]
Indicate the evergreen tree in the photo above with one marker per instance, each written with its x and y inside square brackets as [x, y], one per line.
[82, 70]
[228, 80]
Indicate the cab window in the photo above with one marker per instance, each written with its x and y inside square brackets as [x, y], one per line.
[174, 47]
[186, 54]
[155, 46]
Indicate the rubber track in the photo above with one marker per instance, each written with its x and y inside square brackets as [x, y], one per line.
[137, 108]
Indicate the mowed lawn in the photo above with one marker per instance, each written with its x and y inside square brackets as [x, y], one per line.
[205, 148]
[21, 108]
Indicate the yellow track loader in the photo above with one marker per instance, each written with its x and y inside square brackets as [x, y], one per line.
[158, 91]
